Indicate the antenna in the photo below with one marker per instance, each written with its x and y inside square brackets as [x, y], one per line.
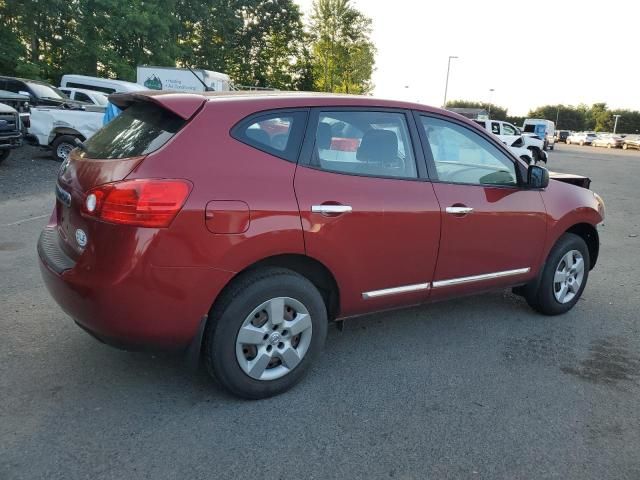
[206, 87]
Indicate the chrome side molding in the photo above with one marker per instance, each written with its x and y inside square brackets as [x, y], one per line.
[479, 278]
[443, 283]
[395, 290]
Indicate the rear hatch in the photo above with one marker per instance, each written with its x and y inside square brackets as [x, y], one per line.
[109, 156]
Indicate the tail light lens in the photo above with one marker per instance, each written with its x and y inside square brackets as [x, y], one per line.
[143, 203]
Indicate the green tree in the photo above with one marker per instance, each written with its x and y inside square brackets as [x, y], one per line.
[342, 52]
[568, 117]
[496, 112]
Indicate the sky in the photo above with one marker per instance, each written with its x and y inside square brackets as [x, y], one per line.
[530, 53]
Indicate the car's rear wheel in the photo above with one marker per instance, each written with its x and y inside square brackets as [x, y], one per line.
[4, 154]
[264, 332]
[62, 147]
[581, 143]
[563, 278]
[624, 146]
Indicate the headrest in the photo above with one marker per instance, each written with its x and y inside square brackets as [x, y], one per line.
[378, 146]
[324, 136]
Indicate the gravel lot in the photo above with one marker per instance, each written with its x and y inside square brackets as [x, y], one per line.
[479, 388]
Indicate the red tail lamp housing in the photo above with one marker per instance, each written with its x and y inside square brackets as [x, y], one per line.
[150, 203]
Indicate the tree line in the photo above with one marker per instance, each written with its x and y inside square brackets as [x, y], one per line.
[597, 117]
[260, 43]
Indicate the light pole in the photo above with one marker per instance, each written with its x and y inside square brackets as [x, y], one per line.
[446, 85]
[615, 125]
[557, 116]
[491, 90]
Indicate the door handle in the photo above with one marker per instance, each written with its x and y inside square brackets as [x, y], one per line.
[459, 210]
[331, 209]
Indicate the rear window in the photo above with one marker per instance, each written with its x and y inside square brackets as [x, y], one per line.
[139, 130]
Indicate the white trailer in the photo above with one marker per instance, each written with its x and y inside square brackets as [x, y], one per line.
[181, 79]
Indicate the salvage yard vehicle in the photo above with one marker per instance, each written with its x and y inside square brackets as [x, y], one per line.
[631, 141]
[20, 103]
[235, 227]
[526, 145]
[84, 95]
[97, 84]
[10, 131]
[608, 140]
[59, 129]
[545, 129]
[40, 94]
[581, 138]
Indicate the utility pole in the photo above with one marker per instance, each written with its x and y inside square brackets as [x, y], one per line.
[446, 85]
[615, 125]
[491, 90]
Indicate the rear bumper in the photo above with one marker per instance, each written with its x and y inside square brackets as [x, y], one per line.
[136, 307]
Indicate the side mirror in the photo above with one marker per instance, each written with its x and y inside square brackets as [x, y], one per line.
[537, 177]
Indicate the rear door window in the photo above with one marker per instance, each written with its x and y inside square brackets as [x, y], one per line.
[368, 143]
[139, 130]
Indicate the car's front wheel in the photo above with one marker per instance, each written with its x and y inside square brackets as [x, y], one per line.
[264, 332]
[563, 277]
[4, 154]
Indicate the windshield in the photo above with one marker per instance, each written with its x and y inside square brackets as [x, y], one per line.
[45, 91]
[139, 130]
[100, 99]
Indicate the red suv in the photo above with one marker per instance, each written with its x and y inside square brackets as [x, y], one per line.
[236, 226]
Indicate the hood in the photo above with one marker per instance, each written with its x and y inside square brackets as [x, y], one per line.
[573, 179]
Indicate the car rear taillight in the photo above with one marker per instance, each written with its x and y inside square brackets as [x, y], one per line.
[143, 203]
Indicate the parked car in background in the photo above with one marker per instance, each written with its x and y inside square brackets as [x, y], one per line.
[86, 96]
[545, 129]
[608, 140]
[104, 85]
[631, 141]
[521, 144]
[581, 138]
[198, 255]
[20, 103]
[10, 131]
[40, 94]
[561, 136]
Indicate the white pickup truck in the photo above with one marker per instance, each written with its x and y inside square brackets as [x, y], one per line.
[511, 136]
[58, 128]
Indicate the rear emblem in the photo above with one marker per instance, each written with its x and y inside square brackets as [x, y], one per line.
[81, 238]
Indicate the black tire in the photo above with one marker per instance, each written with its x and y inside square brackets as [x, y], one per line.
[535, 155]
[4, 154]
[228, 314]
[551, 147]
[62, 142]
[540, 295]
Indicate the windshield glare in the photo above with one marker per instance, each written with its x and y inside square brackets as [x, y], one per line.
[45, 91]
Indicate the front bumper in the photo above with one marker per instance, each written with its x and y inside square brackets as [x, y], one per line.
[137, 307]
[10, 141]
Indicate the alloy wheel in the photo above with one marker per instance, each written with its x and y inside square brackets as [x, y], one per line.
[568, 277]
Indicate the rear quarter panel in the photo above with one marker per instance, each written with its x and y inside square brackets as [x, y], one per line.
[224, 169]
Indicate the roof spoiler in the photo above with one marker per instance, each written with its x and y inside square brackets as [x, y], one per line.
[185, 105]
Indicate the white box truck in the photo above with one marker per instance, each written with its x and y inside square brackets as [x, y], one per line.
[181, 79]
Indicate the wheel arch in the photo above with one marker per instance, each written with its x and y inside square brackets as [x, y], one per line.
[59, 131]
[314, 270]
[590, 235]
